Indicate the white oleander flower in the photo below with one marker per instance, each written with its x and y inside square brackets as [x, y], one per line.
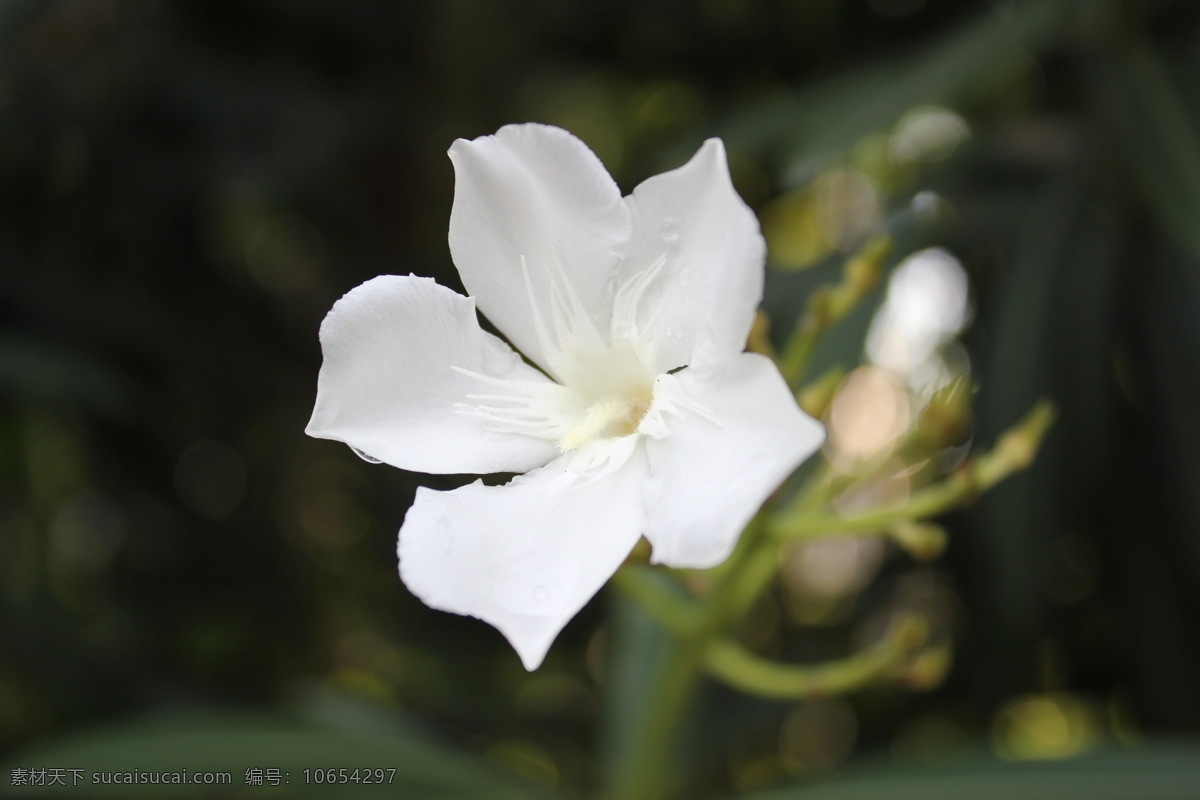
[635, 413]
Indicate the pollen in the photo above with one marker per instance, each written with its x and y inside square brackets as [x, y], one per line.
[609, 418]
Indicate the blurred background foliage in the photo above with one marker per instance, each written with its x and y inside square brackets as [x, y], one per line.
[186, 187]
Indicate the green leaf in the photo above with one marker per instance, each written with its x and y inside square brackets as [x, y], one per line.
[233, 745]
[638, 644]
[1161, 772]
[1139, 99]
[966, 66]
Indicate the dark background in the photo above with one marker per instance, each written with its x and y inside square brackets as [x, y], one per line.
[186, 187]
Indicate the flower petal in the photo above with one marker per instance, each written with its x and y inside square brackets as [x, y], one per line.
[388, 385]
[536, 196]
[691, 225]
[717, 463]
[524, 557]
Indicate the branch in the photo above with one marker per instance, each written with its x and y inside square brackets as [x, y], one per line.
[741, 669]
[658, 596]
[1014, 452]
[830, 304]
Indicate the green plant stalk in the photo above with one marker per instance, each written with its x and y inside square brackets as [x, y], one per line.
[694, 627]
[830, 304]
[678, 615]
[741, 669]
[646, 774]
[1013, 452]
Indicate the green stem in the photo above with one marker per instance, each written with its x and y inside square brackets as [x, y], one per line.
[830, 304]
[1014, 451]
[936, 499]
[677, 614]
[646, 773]
[743, 670]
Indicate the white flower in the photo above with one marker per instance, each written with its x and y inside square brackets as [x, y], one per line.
[636, 414]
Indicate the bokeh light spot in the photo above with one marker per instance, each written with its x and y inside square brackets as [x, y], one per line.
[1044, 727]
[869, 414]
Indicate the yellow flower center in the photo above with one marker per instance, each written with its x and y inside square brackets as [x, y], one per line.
[610, 418]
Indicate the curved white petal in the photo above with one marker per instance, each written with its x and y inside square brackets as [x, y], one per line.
[692, 229]
[719, 461]
[395, 350]
[535, 195]
[526, 556]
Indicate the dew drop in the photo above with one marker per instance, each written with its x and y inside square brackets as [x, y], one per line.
[365, 457]
[669, 231]
[540, 594]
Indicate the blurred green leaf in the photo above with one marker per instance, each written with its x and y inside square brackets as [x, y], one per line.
[637, 646]
[1138, 97]
[1161, 772]
[836, 113]
[1051, 337]
[235, 744]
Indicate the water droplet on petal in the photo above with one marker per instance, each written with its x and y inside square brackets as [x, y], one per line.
[669, 231]
[367, 458]
[540, 594]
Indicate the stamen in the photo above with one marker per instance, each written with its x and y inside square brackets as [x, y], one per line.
[628, 300]
[611, 418]
[509, 422]
[596, 459]
[669, 399]
[531, 408]
[560, 315]
[581, 322]
[605, 394]
[501, 398]
[508, 383]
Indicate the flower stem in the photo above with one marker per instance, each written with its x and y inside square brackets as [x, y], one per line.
[648, 772]
[644, 586]
[736, 666]
[650, 769]
[1014, 452]
[830, 304]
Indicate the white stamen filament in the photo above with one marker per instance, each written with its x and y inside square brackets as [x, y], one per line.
[628, 300]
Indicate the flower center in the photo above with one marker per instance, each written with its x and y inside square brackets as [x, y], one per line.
[610, 418]
[604, 395]
[603, 391]
[612, 389]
